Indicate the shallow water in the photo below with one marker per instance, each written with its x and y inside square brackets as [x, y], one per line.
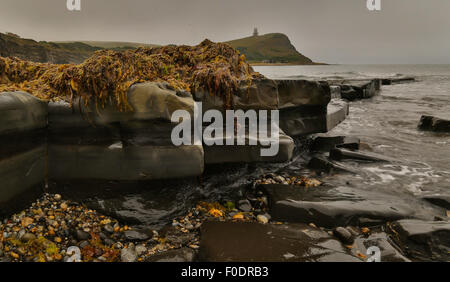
[387, 123]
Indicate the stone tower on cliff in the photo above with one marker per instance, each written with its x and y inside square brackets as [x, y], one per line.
[255, 32]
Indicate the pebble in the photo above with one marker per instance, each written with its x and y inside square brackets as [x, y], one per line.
[128, 254]
[57, 197]
[108, 228]
[262, 219]
[134, 235]
[140, 250]
[244, 205]
[27, 237]
[344, 235]
[82, 235]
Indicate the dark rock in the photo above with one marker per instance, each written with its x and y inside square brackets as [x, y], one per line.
[423, 240]
[294, 93]
[136, 235]
[341, 206]
[435, 124]
[253, 242]
[81, 235]
[178, 255]
[244, 205]
[344, 235]
[396, 80]
[339, 154]
[326, 143]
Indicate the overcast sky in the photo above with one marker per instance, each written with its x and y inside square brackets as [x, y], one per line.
[332, 31]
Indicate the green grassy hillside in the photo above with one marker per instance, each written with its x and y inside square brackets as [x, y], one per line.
[59, 53]
[270, 48]
[273, 48]
[116, 45]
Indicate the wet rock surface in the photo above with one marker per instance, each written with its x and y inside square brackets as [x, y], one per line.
[236, 242]
[338, 206]
[423, 240]
[435, 124]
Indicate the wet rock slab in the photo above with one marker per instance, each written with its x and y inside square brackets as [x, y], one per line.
[423, 240]
[339, 154]
[340, 206]
[435, 124]
[358, 89]
[305, 120]
[389, 252]
[254, 242]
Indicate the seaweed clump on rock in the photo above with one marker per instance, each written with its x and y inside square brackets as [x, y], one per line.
[107, 75]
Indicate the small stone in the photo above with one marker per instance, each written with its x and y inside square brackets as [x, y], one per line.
[82, 235]
[244, 205]
[27, 221]
[134, 235]
[108, 228]
[140, 249]
[64, 206]
[344, 235]
[84, 244]
[57, 197]
[27, 237]
[128, 254]
[279, 179]
[58, 240]
[262, 219]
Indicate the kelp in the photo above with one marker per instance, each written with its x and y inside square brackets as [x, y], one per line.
[105, 77]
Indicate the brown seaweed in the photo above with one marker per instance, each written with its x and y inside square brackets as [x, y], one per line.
[105, 77]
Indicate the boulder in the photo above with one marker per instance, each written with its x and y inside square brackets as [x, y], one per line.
[21, 112]
[86, 142]
[254, 242]
[148, 101]
[217, 154]
[116, 162]
[431, 123]
[313, 119]
[358, 89]
[423, 240]
[337, 112]
[22, 175]
[260, 94]
[340, 206]
[295, 93]
[396, 80]
[23, 120]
